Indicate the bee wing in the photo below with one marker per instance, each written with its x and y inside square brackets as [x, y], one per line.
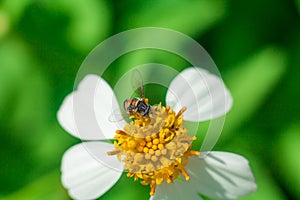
[117, 116]
[137, 82]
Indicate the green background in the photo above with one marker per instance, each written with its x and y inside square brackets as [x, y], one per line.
[255, 44]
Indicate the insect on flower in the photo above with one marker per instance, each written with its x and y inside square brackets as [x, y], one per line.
[153, 148]
[137, 107]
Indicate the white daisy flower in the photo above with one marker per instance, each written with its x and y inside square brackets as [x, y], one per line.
[154, 148]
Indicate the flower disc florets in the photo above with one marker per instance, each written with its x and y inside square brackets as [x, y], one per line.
[156, 148]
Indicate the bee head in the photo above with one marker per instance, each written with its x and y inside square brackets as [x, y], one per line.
[127, 105]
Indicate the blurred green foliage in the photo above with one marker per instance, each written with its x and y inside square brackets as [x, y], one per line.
[255, 44]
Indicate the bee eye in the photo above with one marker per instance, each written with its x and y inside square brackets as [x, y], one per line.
[126, 105]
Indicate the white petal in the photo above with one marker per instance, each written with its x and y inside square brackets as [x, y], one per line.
[221, 175]
[177, 190]
[204, 94]
[85, 112]
[87, 176]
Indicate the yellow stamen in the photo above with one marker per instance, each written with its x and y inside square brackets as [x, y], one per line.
[180, 112]
[167, 178]
[155, 149]
[153, 187]
[194, 153]
[155, 141]
[160, 146]
[114, 152]
[185, 174]
[146, 150]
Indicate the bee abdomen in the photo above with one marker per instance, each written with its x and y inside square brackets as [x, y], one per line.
[143, 108]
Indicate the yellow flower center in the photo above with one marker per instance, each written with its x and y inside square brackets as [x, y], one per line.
[155, 149]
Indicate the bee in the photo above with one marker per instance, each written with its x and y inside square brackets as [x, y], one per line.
[137, 106]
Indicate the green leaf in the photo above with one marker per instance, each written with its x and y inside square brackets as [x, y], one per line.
[14, 8]
[4, 24]
[286, 157]
[15, 62]
[46, 187]
[24, 91]
[250, 84]
[52, 142]
[90, 21]
[32, 105]
[298, 4]
[189, 17]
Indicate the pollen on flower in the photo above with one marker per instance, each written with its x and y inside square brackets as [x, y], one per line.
[155, 149]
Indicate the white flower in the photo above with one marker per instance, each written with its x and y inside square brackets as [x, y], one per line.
[85, 169]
